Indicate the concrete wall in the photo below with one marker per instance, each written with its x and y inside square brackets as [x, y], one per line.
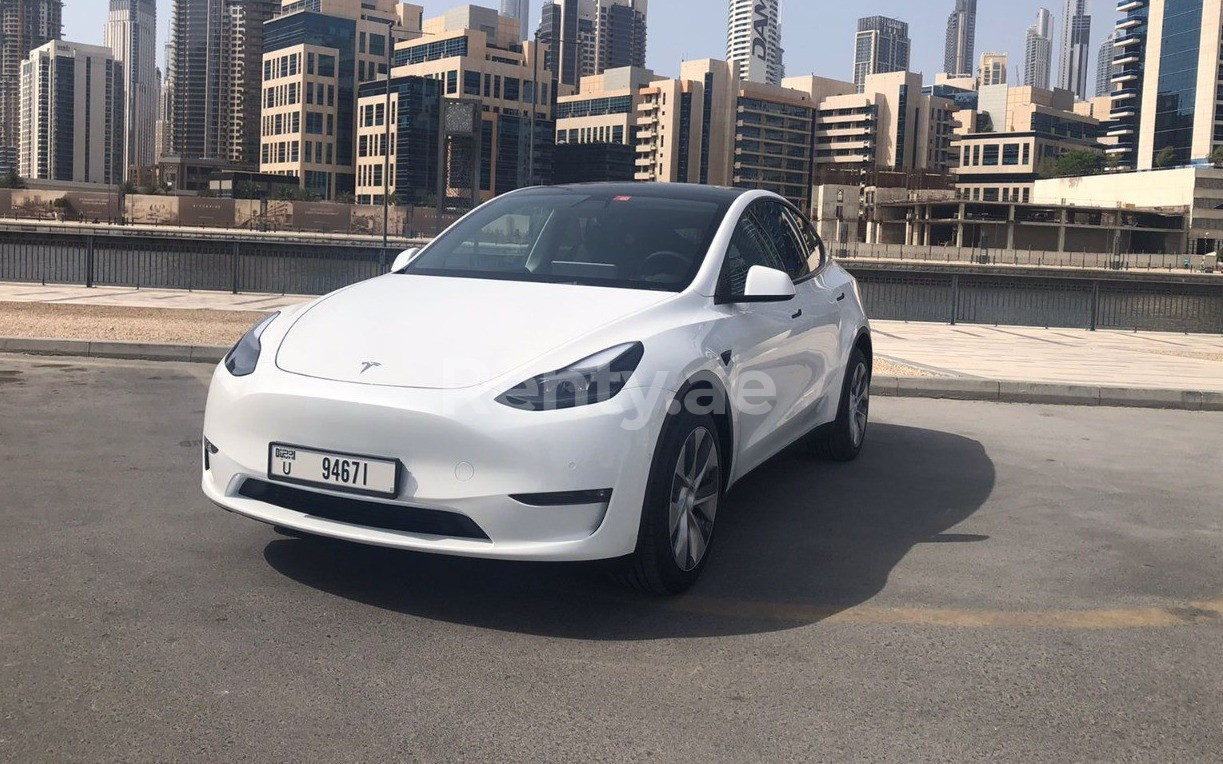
[1162, 188]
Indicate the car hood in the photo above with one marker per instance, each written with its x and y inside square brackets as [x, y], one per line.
[447, 333]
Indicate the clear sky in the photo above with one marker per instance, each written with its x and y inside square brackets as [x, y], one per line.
[817, 34]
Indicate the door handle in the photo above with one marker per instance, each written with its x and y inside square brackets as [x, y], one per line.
[799, 314]
[841, 297]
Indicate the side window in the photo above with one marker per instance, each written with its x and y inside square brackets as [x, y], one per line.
[777, 226]
[813, 244]
[748, 247]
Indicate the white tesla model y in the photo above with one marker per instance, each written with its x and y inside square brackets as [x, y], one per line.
[568, 373]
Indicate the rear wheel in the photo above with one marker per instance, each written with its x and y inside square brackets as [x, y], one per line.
[842, 440]
[681, 505]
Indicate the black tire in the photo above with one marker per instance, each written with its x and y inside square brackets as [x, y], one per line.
[653, 568]
[841, 441]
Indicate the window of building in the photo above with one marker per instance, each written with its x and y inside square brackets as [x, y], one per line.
[1027, 154]
[471, 83]
[309, 63]
[452, 82]
[1010, 154]
[326, 66]
[989, 155]
[513, 89]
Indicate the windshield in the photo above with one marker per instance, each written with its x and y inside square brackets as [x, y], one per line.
[579, 237]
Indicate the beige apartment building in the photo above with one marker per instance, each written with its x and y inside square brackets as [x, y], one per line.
[316, 56]
[890, 125]
[478, 56]
[710, 127]
[1003, 144]
[605, 108]
[686, 126]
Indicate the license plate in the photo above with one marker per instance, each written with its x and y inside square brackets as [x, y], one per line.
[350, 473]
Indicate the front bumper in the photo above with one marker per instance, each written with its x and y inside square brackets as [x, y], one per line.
[463, 454]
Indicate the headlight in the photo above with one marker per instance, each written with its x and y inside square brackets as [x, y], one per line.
[598, 378]
[242, 359]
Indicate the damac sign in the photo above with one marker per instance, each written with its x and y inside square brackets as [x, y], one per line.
[760, 47]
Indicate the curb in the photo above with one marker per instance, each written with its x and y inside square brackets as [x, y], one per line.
[134, 351]
[990, 390]
[998, 391]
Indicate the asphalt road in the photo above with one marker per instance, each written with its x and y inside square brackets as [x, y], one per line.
[989, 582]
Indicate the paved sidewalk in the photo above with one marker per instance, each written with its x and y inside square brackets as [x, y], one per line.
[1149, 360]
[129, 297]
[1142, 360]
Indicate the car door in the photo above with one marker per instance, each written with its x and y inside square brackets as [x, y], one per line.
[769, 371]
[826, 290]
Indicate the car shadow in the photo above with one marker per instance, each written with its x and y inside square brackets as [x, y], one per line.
[798, 541]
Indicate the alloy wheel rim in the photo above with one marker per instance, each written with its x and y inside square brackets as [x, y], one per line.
[859, 403]
[694, 499]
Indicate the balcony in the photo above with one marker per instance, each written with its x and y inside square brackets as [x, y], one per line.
[1127, 58]
[1125, 6]
[1130, 23]
[1122, 95]
[1129, 40]
[1120, 130]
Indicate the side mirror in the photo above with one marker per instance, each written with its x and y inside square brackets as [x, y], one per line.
[403, 259]
[764, 285]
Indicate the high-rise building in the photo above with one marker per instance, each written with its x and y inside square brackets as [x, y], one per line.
[24, 26]
[591, 36]
[216, 73]
[1038, 51]
[131, 35]
[493, 76]
[882, 45]
[1165, 83]
[316, 55]
[992, 70]
[1076, 42]
[1104, 66]
[165, 107]
[960, 46]
[71, 114]
[753, 40]
[520, 10]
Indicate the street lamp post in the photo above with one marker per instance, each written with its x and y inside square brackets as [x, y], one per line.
[386, 148]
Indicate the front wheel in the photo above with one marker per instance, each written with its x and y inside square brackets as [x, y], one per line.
[681, 505]
[842, 440]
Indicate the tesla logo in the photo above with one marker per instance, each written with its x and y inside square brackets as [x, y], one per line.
[370, 365]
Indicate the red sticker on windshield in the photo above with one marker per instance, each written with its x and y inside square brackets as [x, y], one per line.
[623, 199]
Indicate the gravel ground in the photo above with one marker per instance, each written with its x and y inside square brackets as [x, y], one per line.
[104, 322]
[177, 326]
[891, 369]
